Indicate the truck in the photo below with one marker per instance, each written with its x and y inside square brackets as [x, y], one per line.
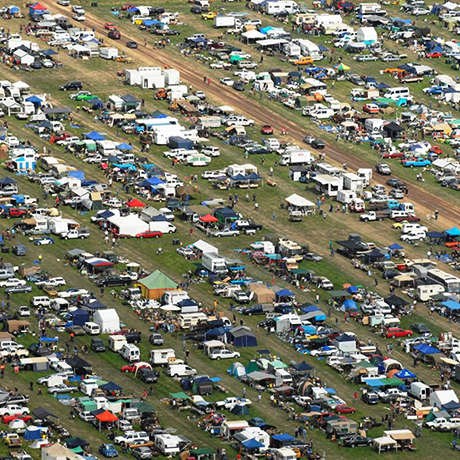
[356, 205]
[296, 157]
[224, 21]
[419, 390]
[75, 233]
[214, 263]
[13, 440]
[162, 226]
[108, 53]
[374, 215]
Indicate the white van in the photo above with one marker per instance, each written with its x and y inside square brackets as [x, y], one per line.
[91, 328]
[162, 226]
[41, 301]
[397, 93]
[130, 352]
[180, 370]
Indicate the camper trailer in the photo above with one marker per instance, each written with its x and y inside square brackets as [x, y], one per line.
[162, 357]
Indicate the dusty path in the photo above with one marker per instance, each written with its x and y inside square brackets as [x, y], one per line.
[192, 73]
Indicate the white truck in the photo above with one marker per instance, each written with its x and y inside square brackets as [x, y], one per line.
[108, 53]
[75, 233]
[214, 263]
[162, 226]
[296, 157]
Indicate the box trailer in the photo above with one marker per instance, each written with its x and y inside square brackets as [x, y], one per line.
[224, 21]
[108, 53]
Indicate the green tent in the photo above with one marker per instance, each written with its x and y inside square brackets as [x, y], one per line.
[278, 364]
[202, 451]
[154, 285]
[179, 395]
[251, 367]
[392, 382]
[77, 450]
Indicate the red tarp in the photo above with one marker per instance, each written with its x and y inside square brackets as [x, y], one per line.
[106, 417]
[208, 219]
[38, 7]
[135, 203]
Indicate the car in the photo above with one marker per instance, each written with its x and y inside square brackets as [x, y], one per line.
[416, 163]
[44, 380]
[97, 345]
[391, 394]
[325, 351]
[147, 375]
[397, 194]
[23, 311]
[18, 289]
[420, 328]
[224, 354]
[72, 292]
[132, 368]
[109, 26]
[413, 237]
[19, 250]
[396, 154]
[383, 169]
[75, 329]
[142, 452]
[209, 15]
[149, 234]
[371, 108]
[63, 2]
[225, 232]
[344, 409]
[396, 332]
[238, 86]
[61, 388]
[355, 440]
[131, 44]
[72, 86]
[433, 55]
[227, 81]
[365, 58]
[13, 409]
[42, 241]
[156, 339]
[267, 129]
[12, 282]
[370, 397]
[108, 450]
[317, 144]
[114, 34]
[313, 257]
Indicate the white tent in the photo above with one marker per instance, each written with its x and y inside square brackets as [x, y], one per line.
[367, 35]
[384, 443]
[253, 35]
[130, 225]
[441, 397]
[205, 247]
[58, 452]
[108, 320]
[299, 201]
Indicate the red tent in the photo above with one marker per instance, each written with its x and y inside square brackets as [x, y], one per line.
[135, 203]
[38, 7]
[208, 219]
[106, 417]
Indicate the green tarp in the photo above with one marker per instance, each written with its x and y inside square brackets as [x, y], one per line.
[179, 395]
[158, 280]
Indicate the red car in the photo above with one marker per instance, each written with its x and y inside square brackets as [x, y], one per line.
[131, 368]
[371, 108]
[436, 150]
[149, 234]
[393, 155]
[433, 55]
[109, 26]
[9, 418]
[59, 137]
[344, 409]
[409, 218]
[393, 332]
[16, 212]
[453, 244]
[266, 129]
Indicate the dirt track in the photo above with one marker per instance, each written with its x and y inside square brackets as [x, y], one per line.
[192, 73]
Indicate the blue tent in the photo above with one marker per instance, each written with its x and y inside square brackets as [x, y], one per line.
[77, 174]
[49, 339]
[13, 9]
[352, 289]
[405, 374]
[309, 308]
[283, 438]
[33, 433]
[348, 305]
[285, 293]
[451, 305]
[426, 349]
[111, 386]
[80, 317]
[395, 247]
[124, 146]
[94, 136]
[252, 444]
[35, 100]
[453, 232]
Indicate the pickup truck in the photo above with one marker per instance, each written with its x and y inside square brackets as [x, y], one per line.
[374, 215]
[73, 234]
[13, 440]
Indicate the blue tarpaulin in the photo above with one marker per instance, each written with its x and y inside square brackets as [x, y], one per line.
[251, 444]
[94, 136]
[453, 232]
[283, 437]
[451, 305]
[405, 374]
[124, 146]
[426, 349]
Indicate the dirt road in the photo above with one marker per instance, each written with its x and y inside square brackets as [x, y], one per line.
[192, 73]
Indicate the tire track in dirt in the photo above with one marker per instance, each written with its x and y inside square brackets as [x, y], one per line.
[425, 201]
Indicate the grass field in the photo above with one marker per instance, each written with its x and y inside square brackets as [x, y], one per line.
[311, 231]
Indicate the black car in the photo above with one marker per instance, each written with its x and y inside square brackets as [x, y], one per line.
[72, 86]
[113, 281]
[420, 328]
[196, 10]
[133, 336]
[355, 441]
[370, 397]
[131, 44]
[254, 310]
[147, 375]
[238, 86]
[37, 349]
[318, 144]
[97, 345]
[396, 183]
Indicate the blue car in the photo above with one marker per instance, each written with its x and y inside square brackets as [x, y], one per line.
[108, 450]
[417, 163]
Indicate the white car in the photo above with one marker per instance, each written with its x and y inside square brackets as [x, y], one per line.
[63, 2]
[226, 232]
[419, 236]
[72, 292]
[211, 151]
[23, 311]
[328, 350]
[113, 203]
[77, 9]
[214, 174]
[12, 282]
[47, 378]
[229, 403]
[56, 281]
[227, 81]
[420, 11]
[224, 354]
[61, 388]
[14, 409]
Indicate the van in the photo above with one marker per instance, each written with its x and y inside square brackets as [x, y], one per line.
[91, 328]
[284, 376]
[130, 352]
[41, 301]
[401, 92]
[162, 226]
[59, 304]
[180, 370]
[63, 367]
